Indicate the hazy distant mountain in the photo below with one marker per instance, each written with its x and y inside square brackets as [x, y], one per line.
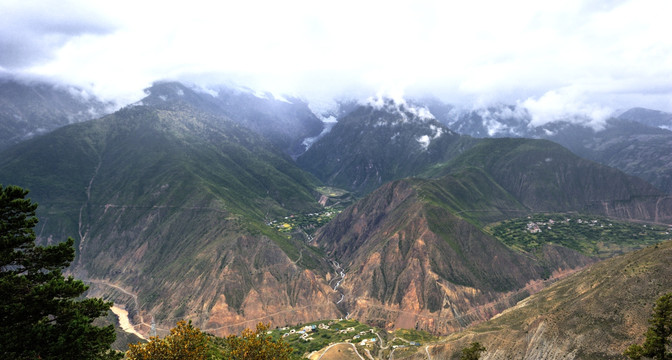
[171, 205]
[633, 147]
[594, 314]
[637, 142]
[416, 251]
[34, 108]
[285, 122]
[648, 117]
[379, 142]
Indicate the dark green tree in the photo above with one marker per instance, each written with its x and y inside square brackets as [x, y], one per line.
[472, 352]
[658, 335]
[41, 316]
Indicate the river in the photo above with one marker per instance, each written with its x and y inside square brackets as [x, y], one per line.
[125, 322]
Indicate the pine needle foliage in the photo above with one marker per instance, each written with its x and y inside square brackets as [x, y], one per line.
[41, 313]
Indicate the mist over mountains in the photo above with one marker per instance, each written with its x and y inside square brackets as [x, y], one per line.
[30, 108]
[286, 122]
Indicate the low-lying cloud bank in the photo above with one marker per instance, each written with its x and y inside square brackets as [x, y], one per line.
[556, 60]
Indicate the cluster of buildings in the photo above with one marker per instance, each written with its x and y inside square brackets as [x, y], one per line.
[536, 227]
[533, 228]
[304, 332]
[362, 342]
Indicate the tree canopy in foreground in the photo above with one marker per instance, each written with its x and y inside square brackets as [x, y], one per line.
[41, 316]
[658, 335]
[188, 342]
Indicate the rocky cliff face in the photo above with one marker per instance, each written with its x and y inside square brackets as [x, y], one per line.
[594, 314]
[232, 290]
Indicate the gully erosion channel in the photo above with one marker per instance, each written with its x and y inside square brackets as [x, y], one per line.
[336, 281]
[127, 326]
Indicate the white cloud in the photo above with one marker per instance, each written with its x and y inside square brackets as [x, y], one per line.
[566, 104]
[424, 141]
[420, 112]
[617, 53]
[32, 31]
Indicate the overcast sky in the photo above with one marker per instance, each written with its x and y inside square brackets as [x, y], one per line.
[552, 56]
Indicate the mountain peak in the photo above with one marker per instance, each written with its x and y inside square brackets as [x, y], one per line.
[379, 142]
[286, 122]
[648, 117]
[408, 112]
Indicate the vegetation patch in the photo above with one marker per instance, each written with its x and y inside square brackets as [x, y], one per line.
[307, 338]
[308, 223]
[419, 336]
[314, 336]
[588, 234]
[332, 191]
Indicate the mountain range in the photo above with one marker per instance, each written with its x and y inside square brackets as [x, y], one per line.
[636, 141]
[175, 200]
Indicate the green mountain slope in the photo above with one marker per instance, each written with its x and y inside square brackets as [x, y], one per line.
[594, 314]
[544, 176]
[170, 205]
